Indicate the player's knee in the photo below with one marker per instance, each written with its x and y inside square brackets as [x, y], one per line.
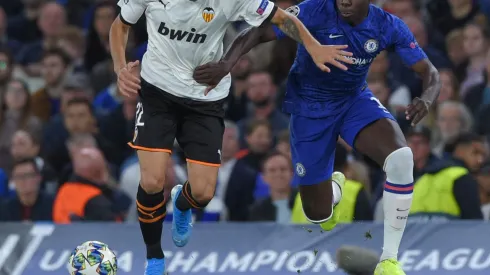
[399, 165]
[316, 214]
[152, 183]
[203, 191]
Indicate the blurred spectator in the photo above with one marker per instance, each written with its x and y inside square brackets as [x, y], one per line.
[448, 15]
[26, 145]
[278, 173]
[117, 126]
[46, 102]
[98, 35]
[261, 92]
[355, 204]
[11, 44]
[476, 45]
[236, 106]
[479, 96]
[236, 181]
[483, 178]
[6, 67]
[72, 41]
[79, 119]
[380, 70]
[457, 54]
[23, 27]
[418, 140]
[452, 119]
[406, 75]
[55, 133]
[52, 19]
[16, 114]
[258, 137]
[283, 145]
[30, 202]
[448, 188]
[449, 92]
[87, 196]
[108, 99]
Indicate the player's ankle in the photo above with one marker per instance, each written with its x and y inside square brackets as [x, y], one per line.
[154, 251]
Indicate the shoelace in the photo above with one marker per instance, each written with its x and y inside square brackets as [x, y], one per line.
[183, 223]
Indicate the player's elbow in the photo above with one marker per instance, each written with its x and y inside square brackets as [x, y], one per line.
[281, 16]
[118, 27]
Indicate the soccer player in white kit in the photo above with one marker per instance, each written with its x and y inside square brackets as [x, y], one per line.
[184, 34]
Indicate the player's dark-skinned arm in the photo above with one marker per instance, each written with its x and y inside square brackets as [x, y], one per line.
[212, 73]
[420, 107]
[128, 80]
[465, 192]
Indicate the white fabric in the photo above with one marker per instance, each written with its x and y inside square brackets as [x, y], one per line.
[180, 39]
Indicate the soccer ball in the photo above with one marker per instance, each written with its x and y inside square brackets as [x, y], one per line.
[92, 258]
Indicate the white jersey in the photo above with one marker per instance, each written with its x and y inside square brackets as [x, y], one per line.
[184, 34]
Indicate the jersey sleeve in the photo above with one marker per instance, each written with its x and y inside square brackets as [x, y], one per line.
[405, 44]
[131, 10]
[254, 12]
[301, 11]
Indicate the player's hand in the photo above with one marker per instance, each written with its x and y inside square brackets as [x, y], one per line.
[331, 54]
[211, 74]
[417, 110]
[128, 79]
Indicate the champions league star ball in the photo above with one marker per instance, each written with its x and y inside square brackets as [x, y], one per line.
[92, 258]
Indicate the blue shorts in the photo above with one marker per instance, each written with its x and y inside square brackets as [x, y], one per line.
[313, 140]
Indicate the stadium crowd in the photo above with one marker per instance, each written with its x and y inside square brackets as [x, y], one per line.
[64, 126]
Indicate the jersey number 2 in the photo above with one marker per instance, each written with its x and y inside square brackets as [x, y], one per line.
[139, 114]
[379, 104]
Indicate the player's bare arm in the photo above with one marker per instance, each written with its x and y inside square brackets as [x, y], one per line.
[128, 80]
[292, 27]
[212, 73]
[419, 107]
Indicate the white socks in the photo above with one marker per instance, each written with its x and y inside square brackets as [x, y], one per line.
[397, 199]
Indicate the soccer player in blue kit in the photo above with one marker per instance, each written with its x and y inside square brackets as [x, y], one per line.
[324, 106]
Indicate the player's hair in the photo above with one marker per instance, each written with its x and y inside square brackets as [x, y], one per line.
[81, 101]
[59, 53]
[465, 138]
[466, 118]
[23, 161]
[271, 155]
[232, 125]
[283, 136]
[254, 124]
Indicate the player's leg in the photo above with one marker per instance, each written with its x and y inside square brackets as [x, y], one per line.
[371, 129]
[155, 129]
[200, 136]
[313, 143]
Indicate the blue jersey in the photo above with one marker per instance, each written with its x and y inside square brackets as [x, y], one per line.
[314, 93]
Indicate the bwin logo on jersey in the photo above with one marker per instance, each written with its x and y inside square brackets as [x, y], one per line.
[180, 35]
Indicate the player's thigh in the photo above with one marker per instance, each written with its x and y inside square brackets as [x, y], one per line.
[371, 129]
[154, 133]
[201, 136]
[313, 142]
